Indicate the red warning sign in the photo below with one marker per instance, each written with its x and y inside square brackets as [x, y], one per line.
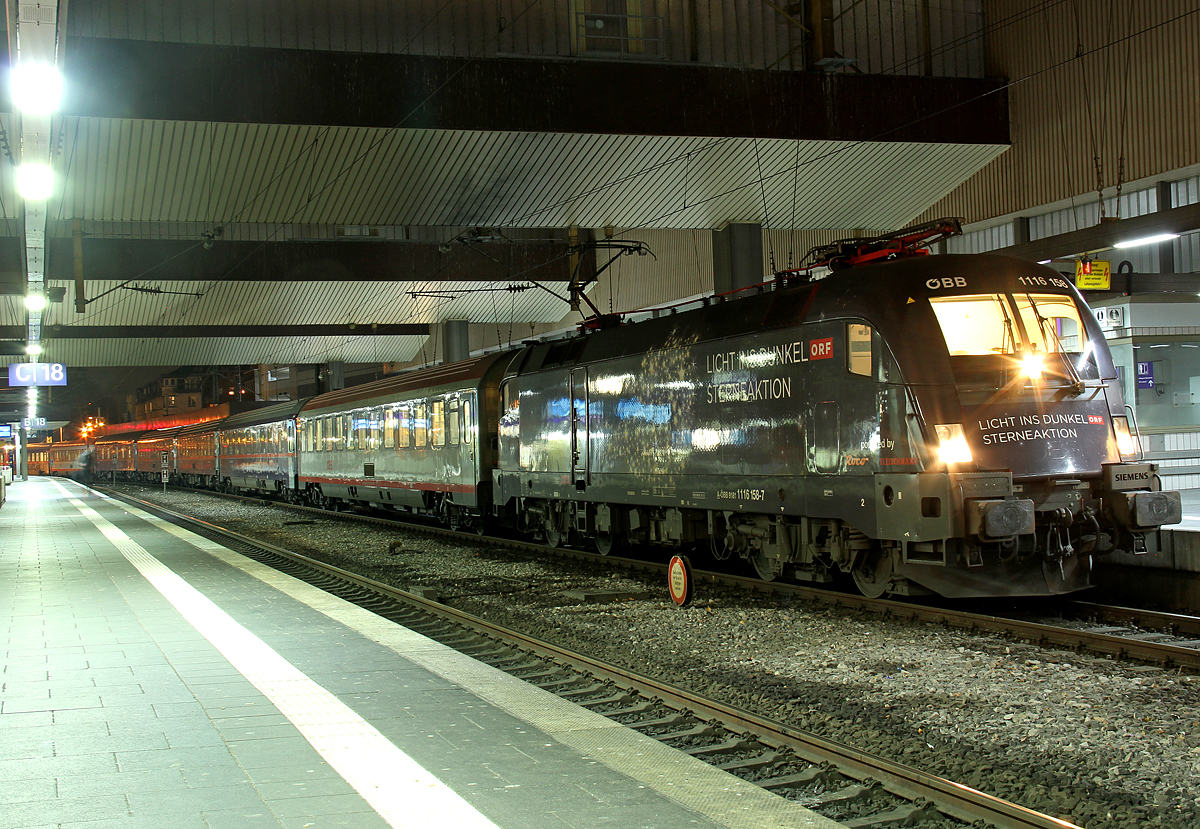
[679, 580]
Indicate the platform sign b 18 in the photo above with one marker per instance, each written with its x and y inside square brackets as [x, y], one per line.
[37, 374]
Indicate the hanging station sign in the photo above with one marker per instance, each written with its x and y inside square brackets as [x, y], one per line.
[37, 374]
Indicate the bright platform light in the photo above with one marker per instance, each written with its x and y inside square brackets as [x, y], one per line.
[37, 88]
[35, 182]
[33, 349]
[35, 302]
[1146, 240]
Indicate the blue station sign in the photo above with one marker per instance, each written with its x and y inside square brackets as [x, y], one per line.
[37, 374]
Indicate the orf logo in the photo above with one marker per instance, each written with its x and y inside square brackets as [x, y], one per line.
[820, 349]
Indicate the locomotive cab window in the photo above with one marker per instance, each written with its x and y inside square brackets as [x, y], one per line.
[1005, 340]
[976, 325]
[858, 349]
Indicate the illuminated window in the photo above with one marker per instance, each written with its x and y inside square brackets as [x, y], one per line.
[389, 428]
[858, 342]
[402, 437]
[1051, 322]
[437, 425]
[976, 324]
[420, 425]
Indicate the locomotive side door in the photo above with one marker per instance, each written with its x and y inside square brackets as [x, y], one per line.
[579, 428]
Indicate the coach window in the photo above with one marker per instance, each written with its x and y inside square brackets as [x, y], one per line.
[405, 428]
[452, 423]
[468, 427]
[437, 424]
[389, 428]
[338, 441]
[858, 347]
[362, 431]
[317, 424]
[376, 427]
[420, 425]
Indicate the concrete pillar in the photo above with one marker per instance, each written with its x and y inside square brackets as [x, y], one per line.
[1166, 250]
[335, 376]
[456, 341]
[1020, 230]
[737, 257]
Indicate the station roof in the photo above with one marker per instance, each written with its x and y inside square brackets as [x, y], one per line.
[237, 204]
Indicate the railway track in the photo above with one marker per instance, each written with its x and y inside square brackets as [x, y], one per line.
[838, 781]
[1151, 637]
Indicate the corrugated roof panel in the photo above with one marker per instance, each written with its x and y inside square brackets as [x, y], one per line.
[192, 351]
[254, 173]
[298, 303]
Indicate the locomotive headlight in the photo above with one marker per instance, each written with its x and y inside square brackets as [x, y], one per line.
[952, 444]
[1125, 443]
[1031, 366]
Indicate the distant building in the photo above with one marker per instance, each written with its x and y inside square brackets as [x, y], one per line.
[179, 392]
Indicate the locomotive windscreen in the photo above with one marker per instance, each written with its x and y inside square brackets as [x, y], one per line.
[987, 324]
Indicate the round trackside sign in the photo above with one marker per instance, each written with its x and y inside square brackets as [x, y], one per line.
[679, 580]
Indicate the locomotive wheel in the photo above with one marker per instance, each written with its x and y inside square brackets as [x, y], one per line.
[606, 543]
[762, 566]
[554, 538]
[873, 573]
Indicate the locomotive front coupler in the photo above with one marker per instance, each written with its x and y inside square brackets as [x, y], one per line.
[1132, 496]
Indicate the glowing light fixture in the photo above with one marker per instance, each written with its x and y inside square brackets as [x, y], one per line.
[33, 349]
[35, 182]
[953, 447]
[35, 302]
[1146, 240]
[37, 88]
[1125, 442]
[1031, 366]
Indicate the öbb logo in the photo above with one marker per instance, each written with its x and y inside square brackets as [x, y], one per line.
[946, 282]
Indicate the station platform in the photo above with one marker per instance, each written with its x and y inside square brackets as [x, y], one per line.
[150, 678]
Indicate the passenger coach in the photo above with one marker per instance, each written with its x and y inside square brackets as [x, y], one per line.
[411, 442]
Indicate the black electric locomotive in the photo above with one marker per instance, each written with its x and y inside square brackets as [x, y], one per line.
[947, 424]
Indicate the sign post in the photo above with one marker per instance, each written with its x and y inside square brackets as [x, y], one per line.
[165, 459]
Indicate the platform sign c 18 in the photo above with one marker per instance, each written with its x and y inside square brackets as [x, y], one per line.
[37, 374]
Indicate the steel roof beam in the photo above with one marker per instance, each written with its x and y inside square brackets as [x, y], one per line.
[139, 79]
[125, 332]
[157, 260]
[1103, 236]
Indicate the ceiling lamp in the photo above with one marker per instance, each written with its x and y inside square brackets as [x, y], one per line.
[37, 88]
[33, 350]
[35, 302]
[1146, 240]
[35, 182]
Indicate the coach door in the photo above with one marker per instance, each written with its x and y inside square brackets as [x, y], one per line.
[579, 427]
